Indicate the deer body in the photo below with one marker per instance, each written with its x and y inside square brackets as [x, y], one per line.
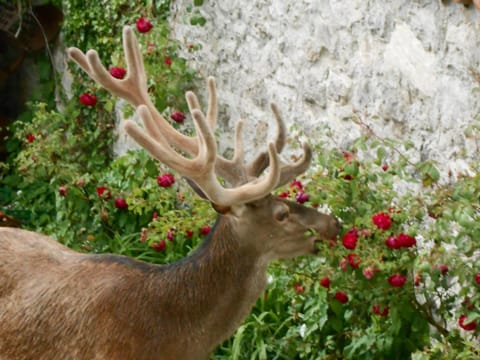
[56, 303]
[134, 310]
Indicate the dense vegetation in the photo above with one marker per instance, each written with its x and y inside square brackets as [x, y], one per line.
[402, 280]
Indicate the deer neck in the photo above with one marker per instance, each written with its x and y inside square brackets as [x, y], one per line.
[215, 287]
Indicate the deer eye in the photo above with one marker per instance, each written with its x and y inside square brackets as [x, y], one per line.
[282, 213]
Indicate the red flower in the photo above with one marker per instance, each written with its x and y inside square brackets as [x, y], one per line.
[118, 72]
[297, 184]
[143, 235]
[382, 221]
[284, 194]
[104, 192]
[120, 203]
[392, 243]
[299, 288]
[301, 197]
[154, 216]
[384, 312]
[204, 230]
[143, 25]
[443, 269]
[30, 138]
[178, 116]
[168, 61]
[159, 246]
[417, 280]
[170, 235]
[469, 327]
[477, 278]
[368, 272]
[341, 297]
[165, 180]
[348, 156]
[62, 190]
[350, 239]
[406, 241]
[397, 280]
[325, 282]
[88, 99]
[353, 260]
[189, 234]
[384, 167]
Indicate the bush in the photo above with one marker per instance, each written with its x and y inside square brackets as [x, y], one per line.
[401, 281]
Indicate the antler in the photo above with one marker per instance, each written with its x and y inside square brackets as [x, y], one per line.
[160, 137]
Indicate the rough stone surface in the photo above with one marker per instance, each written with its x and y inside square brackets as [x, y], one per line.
[405, 67]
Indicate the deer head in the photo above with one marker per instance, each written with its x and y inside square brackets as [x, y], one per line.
[248, 202]
[112, 307]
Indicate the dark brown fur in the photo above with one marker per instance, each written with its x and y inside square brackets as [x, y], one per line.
[59, 304]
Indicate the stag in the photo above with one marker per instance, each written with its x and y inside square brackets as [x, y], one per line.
[56, 303]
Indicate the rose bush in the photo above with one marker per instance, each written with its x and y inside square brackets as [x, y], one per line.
[401, 281]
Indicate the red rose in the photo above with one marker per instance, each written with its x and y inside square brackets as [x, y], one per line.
[104, 192]
[189, 234]
[284, 194]
[341, 297]
[382, 221]
[88, 99]
[392, 243]
[384, 312]
[118, 72]
[299, 288]
[297, 184]
[30, 138]
[417, 280]
[168, 61]
[384, 167]
[120, 203]
[170, 235]
[443, 269]
[350, 239]
[368, 272]
[165, 180]
[325, 282]
[469, 327]
[143, 235]
[353, 260]
[62, 190]
[477, 278]
[204, 230]
[406, 241]
[397, 280]
[178, 116]
[159, 246]
[301, 197]
[143, 25]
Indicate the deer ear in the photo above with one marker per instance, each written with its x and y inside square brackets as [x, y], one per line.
[220, 209]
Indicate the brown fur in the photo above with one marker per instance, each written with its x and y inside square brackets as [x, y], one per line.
[59, 304]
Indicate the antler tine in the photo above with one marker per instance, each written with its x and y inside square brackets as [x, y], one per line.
[193, 102]
[260, 163]
[132, 88]
[201, 169]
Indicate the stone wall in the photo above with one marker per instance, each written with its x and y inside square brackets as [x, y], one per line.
[407, 68]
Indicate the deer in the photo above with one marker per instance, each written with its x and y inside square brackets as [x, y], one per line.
[56, 303]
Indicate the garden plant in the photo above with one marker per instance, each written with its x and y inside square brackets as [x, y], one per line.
[401, 281]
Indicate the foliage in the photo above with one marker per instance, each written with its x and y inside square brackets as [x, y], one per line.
[62, 180]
